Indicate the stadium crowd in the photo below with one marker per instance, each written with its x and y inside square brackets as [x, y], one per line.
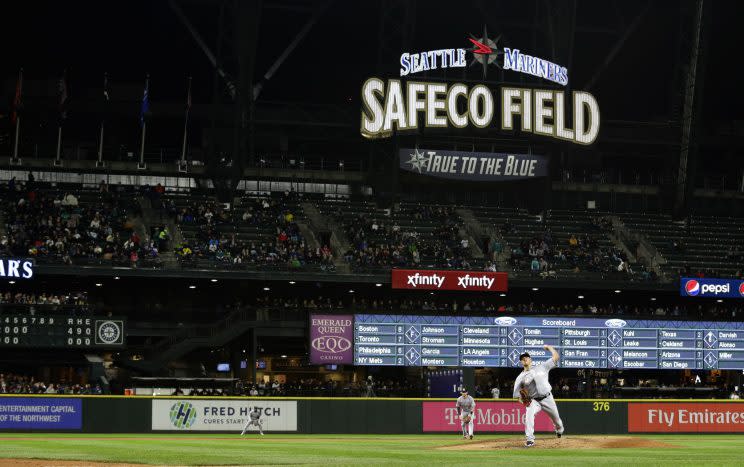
[706, 311]
[55, 225]
[22, 384]
[219, 236]
[379, 244]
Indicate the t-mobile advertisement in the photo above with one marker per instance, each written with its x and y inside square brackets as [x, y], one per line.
[42, 413]
[331, 338]
[489, 416]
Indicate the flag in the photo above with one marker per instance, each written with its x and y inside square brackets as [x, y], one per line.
[105, 88]
[17, 103]
[62, 88]
[145, 111]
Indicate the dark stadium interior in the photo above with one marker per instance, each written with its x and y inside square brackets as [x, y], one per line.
[256, 203]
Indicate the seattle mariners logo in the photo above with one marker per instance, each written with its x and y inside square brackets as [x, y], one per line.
[182, 414]
[692, 288]
[109, 332]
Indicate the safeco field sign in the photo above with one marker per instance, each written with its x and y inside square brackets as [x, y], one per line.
[221, 415]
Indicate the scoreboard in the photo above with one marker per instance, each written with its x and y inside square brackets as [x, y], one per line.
[57, 331]
[406, 340]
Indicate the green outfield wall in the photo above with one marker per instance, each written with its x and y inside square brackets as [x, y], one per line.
[131, 414]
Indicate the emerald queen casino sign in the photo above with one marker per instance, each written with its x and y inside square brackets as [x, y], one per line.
[397, 105]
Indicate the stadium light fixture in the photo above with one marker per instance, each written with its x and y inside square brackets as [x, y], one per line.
[617, 291]
[653, 299]
[213, 280]
[502, 295]
[351, 290]
[535, 289]
[284, 356]
[98, 284]
[116, 278]
[11, 282]
[581, 296]
[266, 289]
[192, 286]
[378, 285]
[291, 282]
[719, 301]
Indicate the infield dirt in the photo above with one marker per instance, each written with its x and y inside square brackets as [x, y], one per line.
[571, 442]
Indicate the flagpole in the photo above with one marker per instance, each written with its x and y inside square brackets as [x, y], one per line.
[59, 141]
[186, 123]
[144, 124]
[18, 117]
[103, 119]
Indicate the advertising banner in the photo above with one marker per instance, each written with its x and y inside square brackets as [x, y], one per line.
[712, 288]
[489, 417]
[40, 413]
[430, 279]
[686, 417]
[473, 166]
[221, 415]
[330, 339]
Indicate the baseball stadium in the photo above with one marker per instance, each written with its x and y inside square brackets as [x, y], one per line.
[373, 232]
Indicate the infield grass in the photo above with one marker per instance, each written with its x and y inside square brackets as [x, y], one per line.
[356, 450]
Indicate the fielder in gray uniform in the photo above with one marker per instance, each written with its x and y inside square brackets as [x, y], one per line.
[254, 420]
[533, 390]
[466, 410]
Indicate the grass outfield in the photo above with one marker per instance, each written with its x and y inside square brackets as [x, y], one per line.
[222, 449]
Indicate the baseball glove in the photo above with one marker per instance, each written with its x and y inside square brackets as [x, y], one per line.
[466, 419]
[524, 397]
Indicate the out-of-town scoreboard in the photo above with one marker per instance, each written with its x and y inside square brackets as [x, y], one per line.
[406, 340]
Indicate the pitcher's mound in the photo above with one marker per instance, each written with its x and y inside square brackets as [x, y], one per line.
[570, 442]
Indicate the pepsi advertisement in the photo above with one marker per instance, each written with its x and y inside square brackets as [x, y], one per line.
[711, 288]
[40, 413]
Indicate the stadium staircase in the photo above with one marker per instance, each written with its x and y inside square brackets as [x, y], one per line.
[189, 339]
[319, 222]
[472, 231]
[152, 217]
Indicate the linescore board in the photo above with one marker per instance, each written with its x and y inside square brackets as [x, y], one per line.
[44, 331]
[407, 340]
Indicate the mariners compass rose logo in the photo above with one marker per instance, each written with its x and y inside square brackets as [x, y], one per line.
[485, 50]
[418, 160]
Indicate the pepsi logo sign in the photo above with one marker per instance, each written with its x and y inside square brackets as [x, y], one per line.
[615, 323]
[505, 321]
[692, 288]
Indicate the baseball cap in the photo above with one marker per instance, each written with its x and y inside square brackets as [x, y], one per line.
[463, 391]
[524, 355]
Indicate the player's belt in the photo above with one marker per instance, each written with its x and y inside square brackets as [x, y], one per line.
[538, 399]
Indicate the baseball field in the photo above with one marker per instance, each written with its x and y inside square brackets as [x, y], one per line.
[23, 450]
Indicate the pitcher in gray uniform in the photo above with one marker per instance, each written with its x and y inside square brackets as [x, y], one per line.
[466, 410]
[533, 390]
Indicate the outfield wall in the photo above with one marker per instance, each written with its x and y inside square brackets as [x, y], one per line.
[125, 414]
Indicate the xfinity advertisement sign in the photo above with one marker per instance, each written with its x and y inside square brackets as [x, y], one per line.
[711, 288]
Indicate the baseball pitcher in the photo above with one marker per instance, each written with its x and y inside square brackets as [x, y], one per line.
[466, 410]
[254, 420]
[534, 391]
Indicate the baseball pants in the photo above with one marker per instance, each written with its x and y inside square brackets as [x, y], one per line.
[257, 423]
[467, 428]
[548, 405]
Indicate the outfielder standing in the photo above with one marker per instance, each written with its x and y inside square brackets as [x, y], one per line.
[534, 391]
[466, 410]
[254, 420]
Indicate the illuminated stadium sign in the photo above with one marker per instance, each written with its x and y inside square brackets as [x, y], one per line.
[16, 268]
[396, 105]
